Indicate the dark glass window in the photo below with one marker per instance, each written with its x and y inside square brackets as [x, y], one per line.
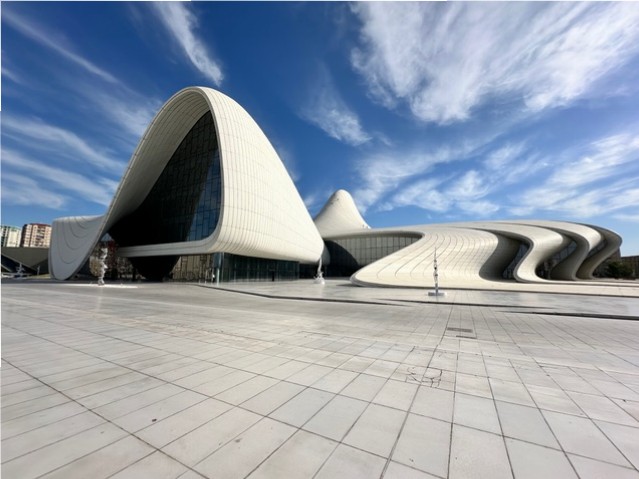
[350, 254]
[509, 272]
[232, 267]
[184, 203]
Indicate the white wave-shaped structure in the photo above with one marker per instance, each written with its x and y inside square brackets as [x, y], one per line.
[469, 254]
[258, 213]
[261, 214]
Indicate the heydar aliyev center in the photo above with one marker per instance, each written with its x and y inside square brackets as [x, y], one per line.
[205, 193]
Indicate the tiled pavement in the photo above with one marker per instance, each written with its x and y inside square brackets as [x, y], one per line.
[168, 381]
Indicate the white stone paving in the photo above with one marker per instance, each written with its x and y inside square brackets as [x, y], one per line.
[186, 381]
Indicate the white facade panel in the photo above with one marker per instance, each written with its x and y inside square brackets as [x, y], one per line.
[262, 214]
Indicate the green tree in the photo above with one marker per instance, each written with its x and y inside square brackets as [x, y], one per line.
[617, 270]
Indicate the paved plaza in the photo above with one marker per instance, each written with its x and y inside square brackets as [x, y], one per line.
[297, 380]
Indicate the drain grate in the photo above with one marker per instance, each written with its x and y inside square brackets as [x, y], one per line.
[460, 330]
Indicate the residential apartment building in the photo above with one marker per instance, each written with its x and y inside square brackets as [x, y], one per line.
[10, 236]
[36, 235]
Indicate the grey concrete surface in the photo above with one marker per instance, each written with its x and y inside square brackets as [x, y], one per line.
[179, 380]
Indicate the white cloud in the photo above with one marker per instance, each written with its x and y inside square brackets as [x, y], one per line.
[461, 194]
[604, 159]
[471, 185]
[95, 190]
[478, 208]
[129, 111]
[504, 156]
[40, 135]
[423, 194]
[9, 74]
[601, 180]
[21, 190]
[54, 42]
[384, 173]
[181, 23]
[327, 110]
[632, 218]
[512, 162]
[445, 60]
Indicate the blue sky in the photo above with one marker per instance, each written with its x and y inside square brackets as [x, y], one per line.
[425, 112]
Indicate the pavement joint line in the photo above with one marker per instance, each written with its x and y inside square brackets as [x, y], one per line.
[298, 298]
[100, 448]
[581, 315]
[574, 343]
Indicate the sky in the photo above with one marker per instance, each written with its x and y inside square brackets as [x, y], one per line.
[424, 112]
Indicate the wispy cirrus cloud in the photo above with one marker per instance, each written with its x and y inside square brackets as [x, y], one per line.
[446, 60]
[53, 41]
[8, 73]
[598, 179]
[463, 194]
[98, 190]
[18, 189]
[326, 109]
[181, 22]
[35, 133]
[632, 218]
[602, 179]
[128, 110]
[424, 194]
[388, 173]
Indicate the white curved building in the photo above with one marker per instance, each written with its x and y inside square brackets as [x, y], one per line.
[470, 254]
[203, 179]
[205, 191]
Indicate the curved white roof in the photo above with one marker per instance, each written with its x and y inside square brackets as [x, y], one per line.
[476, 253]
[262, 214]
[339, 216]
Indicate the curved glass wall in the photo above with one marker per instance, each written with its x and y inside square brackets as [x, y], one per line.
[184, 203]
[558, 258]
[226, 268]
[353, 253]
[509, 272]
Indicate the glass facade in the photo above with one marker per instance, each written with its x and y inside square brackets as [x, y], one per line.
[230, 268]
[184, 203]
[601, 245]
[509, 272]
[560, 257]
[352, 253]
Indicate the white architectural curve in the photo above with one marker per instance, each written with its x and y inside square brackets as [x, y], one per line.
[258, 213]
[339, 216]
[585, 239]
[470, 254]
[465, 256]
[609, 245]
[261, 215]
[542, 244]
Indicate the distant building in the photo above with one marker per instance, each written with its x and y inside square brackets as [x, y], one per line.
[36, 235]
[10, 236]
